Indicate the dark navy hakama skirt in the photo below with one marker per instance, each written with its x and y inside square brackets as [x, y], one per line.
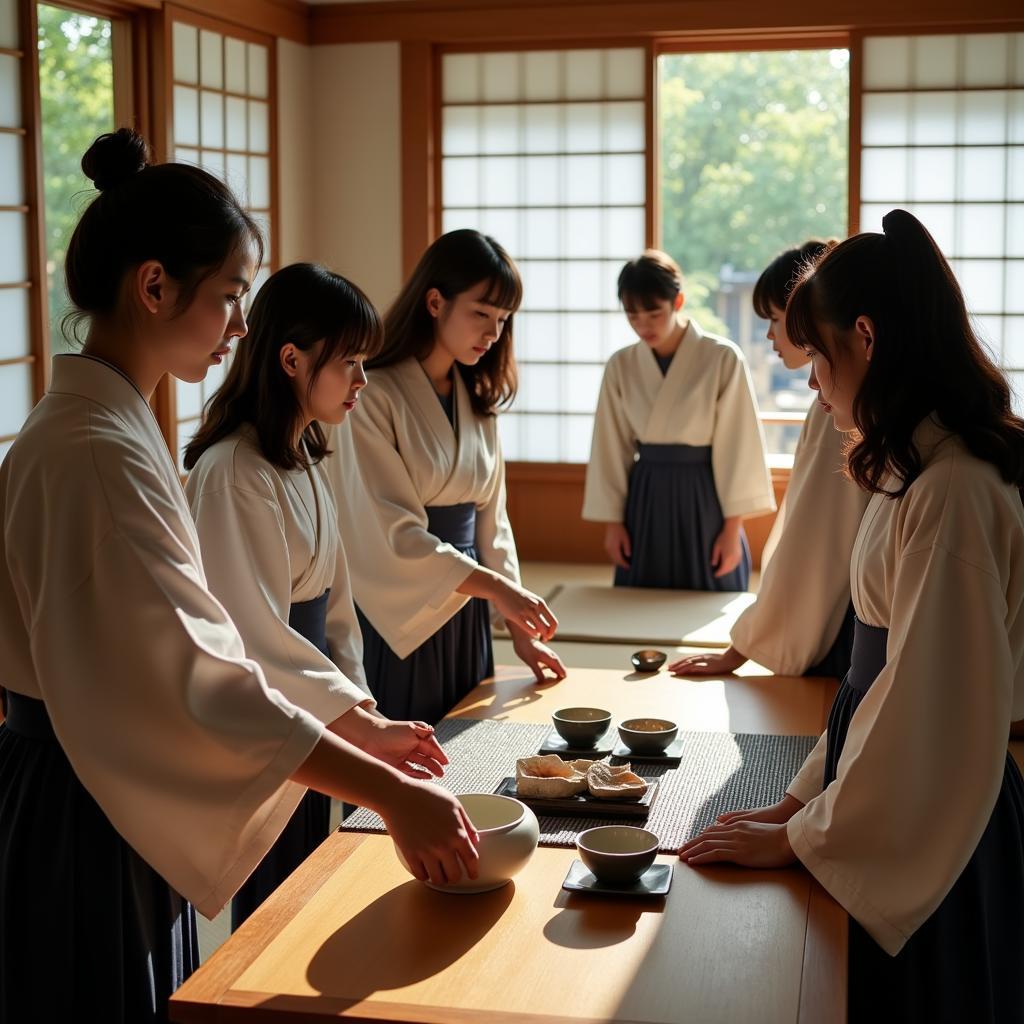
[673, 517]
[428, 683]
[88, 930]
[310, 825]
[966, 962]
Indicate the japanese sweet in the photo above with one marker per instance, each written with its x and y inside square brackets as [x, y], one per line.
[617, 854]
[648, 735]
[508, 836]
[581, 727]
[615, 782]
[548, 776]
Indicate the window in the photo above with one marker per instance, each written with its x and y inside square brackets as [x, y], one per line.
[76, 93]
[22, 295]
[754, 160]
[223, 110]
[942, 135]
[546, 151]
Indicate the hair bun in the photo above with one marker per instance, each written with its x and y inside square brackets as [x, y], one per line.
[115, 157]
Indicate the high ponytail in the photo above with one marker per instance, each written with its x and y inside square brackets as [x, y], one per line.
[926, 357]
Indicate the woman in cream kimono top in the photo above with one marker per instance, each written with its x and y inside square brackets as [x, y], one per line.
[705, 398]
[943, 570]
[805, 578]
[270, 539]
[169, 726]
[409, 457]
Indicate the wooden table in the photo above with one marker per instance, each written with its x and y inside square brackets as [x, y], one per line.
[351, 936]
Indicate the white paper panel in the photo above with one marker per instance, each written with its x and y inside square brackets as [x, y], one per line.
[259, 182]
[933, 174]
[542, 75]
[986, 59]
[508, 434]
[211, 59]
[211, 115]
[258, 70]
[883, 174]
[543, 178]
[886, 119]
[213, 161]
[581, 430]
[584, 178]
[540, 388]
[542, 284]
[12, 179]
[187, 155]
[537, 336]
[886, 62]
[9, 34]
[237, 176]
[1015, 286]
[983, 116]
[15, 396]
[933, 118]
[1016, 117]
[625, 73]
[504, 226]
[624, 178]
[15, 334]
[460, 130]
[1015, 230]
[982, 283]
[584, 129]
[583, 385]
[982, 173]
[542, 234]
[259, 127]
[542, 127]
[185, 41]
[460, 177]
[583, 337]
[584, 75]
[625, 126]
[10, 92]
[624, 232]
[461, 73]
[542, 438]
[500, 76]
[1013, 342]
[982, 230]
[935, 61]
[582, 288]
[1016, 174]
[13, 251]
[237, 133]
[235, 77]
[584, 233]
[499, 128]
[186, 116]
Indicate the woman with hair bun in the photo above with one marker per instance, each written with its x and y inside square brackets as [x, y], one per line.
[802, 620]
[145, 763]
[910, 811]
[678, 455]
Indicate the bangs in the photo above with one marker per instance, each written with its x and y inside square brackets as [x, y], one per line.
[633, 300]
[361, 332]
[771, 290]
[504, 288]
[803, 332]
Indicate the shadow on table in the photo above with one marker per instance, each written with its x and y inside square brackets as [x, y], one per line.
[407, 935]
[589, 922]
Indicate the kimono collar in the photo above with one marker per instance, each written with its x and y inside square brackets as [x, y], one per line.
[104, 384]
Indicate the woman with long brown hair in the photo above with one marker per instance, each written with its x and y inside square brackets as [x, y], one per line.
[910, 811]
[434, 543]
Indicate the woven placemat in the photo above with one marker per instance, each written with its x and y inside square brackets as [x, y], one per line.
[719, 772]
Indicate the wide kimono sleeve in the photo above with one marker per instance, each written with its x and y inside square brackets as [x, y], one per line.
[924, 756]
[810, 779]
[611, 453]
[245, 554]
[739, 460]
[496, 547]
[805, 584]
[403, 577]
[167, 724]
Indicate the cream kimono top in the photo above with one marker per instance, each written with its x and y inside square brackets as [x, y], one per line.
[106, 617]
[805, 570]
[396, 455]
[943, 570]
[706, 398]
[270, 539]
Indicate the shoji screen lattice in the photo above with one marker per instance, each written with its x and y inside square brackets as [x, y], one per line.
[943, 136]
[223, 109]
[545, 150]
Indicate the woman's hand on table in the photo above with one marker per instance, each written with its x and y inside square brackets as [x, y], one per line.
[752, 844]
[535, 655]
[433, 832]
[411, 747]
[773, 814]
[708, 663]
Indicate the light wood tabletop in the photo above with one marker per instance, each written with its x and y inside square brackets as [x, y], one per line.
[350, 935]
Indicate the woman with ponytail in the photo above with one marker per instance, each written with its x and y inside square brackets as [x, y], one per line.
[146, 765]
[910, 811]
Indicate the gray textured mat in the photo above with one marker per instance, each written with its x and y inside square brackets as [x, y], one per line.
[719, 772]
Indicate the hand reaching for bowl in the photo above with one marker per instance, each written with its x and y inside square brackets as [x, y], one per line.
[434, 833]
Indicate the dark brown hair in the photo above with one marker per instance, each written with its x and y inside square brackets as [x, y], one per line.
[179, 215]
[926, 356]
[651, 278]
[779, 278]
[457, 262]
[303, 304]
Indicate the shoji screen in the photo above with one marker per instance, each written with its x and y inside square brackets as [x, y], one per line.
[545, 150]
[223, 115]
[943, 136]
[22, 299]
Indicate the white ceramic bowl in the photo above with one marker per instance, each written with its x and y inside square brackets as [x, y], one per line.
[508, 836]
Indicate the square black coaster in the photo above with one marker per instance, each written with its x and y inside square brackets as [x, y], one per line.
[554, 744]
[671, 757]
[655, 881]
